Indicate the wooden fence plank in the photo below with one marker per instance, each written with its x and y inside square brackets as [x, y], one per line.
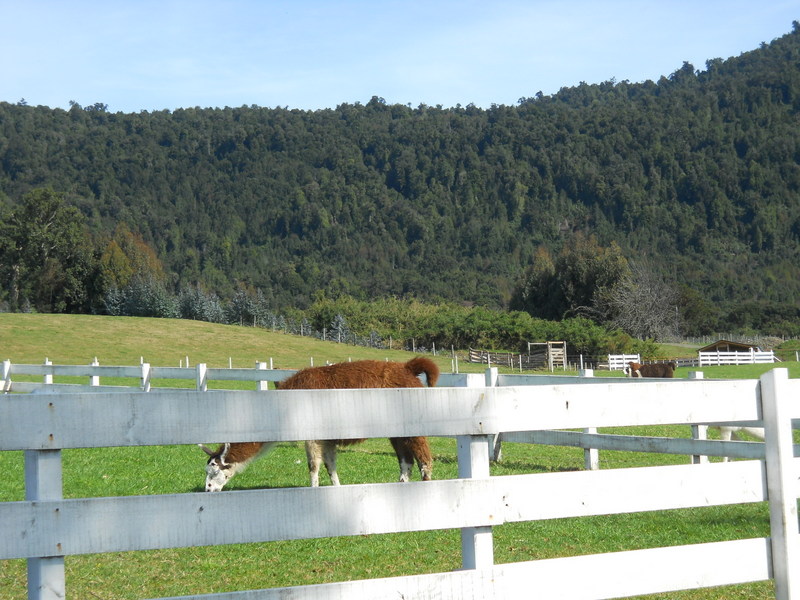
[159, 418]
[512, 379]
[630, 443]
[76, 370]
[215, 374]
[609, 404]
[638, 572]
[80, 526]
[93, 525]
[472, 584]
[595, 577]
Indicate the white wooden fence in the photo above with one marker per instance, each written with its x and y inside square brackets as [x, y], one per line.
[144, 374]
[618, 362]
[751, 357]
[44, 528]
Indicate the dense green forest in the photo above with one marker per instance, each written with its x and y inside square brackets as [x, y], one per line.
[696, 175]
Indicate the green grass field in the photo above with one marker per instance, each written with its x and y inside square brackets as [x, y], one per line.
[179, 469]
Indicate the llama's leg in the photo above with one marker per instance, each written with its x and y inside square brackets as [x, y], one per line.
[405, 457]
[409, 451]
[329, 456]
[314, 456]
[422, 454]
[735, 433]
[725, 434]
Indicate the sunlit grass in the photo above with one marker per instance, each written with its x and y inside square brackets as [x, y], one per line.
[179, 469]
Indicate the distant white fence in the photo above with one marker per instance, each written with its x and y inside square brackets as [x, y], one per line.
[200, 376]
[44, 528]
[144, 373]
[751, 357]
[618, 362]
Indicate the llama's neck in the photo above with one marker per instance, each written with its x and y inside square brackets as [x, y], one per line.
[241, 465]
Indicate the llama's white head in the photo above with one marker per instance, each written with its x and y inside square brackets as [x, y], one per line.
[218, 470]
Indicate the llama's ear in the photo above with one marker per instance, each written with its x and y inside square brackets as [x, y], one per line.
[206, 449]
[223, 458]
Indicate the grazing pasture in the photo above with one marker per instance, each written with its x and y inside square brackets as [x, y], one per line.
[183, 571]
[174, 469]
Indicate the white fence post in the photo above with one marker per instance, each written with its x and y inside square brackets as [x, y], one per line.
[699, 432]
[202, 377]
[477, 546]
[48, 377]
[94, 380]
[477, 551]
[6, 376]
[494, 441]
[145, 384]
[781, 483]
[261, 385]
[43, 477]
[591, 456]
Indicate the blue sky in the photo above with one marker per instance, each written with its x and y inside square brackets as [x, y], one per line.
[310, 54]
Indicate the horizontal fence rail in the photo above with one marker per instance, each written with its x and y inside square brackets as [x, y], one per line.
[79, 420]
[144, 373]
[751, 357]
[80, 526]
[45, 527]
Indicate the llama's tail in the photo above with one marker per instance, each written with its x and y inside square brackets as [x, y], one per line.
[425, 365]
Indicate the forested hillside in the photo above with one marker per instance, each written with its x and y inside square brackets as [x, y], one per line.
[697, 174]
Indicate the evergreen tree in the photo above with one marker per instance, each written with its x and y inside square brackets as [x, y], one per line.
[46, 255]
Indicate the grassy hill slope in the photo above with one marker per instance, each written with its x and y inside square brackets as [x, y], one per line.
[78, 339]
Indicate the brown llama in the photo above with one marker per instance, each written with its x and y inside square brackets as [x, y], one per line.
[653, 370]
[231, 458]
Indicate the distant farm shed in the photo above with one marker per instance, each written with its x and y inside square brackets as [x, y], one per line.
[728, 346]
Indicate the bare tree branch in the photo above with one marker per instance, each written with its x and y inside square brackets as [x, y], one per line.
[643, 304]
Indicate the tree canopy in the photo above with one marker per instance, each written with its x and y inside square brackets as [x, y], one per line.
[697, 174]
[47, 259]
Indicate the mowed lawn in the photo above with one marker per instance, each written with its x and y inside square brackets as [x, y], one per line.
[179, 469]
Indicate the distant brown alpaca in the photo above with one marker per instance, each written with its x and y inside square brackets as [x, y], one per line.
[231, 458]
[652, 370]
